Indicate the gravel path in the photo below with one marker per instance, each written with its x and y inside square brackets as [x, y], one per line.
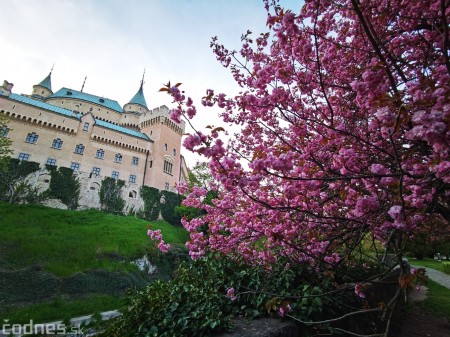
[437, 276]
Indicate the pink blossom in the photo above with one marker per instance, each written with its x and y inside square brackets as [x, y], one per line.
[230, 294]
[359, 291]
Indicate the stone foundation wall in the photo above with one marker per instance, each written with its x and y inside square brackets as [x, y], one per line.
[89, 191]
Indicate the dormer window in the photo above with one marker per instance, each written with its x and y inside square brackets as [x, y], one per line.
[102, 100]
[69, 93]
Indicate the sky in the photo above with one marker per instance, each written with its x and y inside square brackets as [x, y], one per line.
[113, 41]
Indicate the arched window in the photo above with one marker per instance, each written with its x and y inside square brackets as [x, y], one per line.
[45, 177]
[165, 147]
[94, 187]
[168, 165]
[132, 194]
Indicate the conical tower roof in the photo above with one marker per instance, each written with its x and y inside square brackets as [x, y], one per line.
[47, 82]
[139, 98]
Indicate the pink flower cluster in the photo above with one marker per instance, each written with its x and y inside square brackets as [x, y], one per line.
[341, 135]
[157, 236]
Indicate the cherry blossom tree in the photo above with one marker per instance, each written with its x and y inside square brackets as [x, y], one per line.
[344, 116]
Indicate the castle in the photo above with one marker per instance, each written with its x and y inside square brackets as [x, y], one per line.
[96, 137]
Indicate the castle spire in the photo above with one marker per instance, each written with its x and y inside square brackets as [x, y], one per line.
[84, 82]
[44, 88]
[142, 81]
[47, 82]
[139, 98]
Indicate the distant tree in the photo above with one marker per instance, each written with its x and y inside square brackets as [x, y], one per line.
[200, 175]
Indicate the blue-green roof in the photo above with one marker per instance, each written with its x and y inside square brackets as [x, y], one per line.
[66, 112]
[47, 82]
[139, 98]
[122, 129]
[74, 94]
[40, 104]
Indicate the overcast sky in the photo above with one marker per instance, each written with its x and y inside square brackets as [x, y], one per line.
[112, 41]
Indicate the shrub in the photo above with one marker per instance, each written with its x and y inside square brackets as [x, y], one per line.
[64, 185]
[111, 195]
[151, 198]
[168, 211]
[195, 302]
[446, 267]
[13, 184]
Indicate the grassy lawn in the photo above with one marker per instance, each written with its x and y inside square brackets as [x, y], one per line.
[438, 299]
[435, 264]
[60, 310]
[57, 264]
[67, 242]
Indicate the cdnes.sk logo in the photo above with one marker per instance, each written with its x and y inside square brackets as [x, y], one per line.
[31, 328]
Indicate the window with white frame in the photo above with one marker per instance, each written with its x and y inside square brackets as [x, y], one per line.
[86, 126]
[24, 156]
[168, 166]
[115, 175]
[100, 154]
[132, 178]
[118, 158]
[32, 138]
[75, 166]
[96, 170]
[57, 143]
[135, 161]
[51, 161]
[167, 186]
[79, 149]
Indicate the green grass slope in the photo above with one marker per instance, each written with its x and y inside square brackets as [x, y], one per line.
[67, 242]
[78, 260]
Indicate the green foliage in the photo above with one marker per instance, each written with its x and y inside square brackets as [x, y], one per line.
[194, 302]
[151, 198]
[420, 248]
[200, 175]
[111, 195]
[13, 184]
[168, 212]
[5, 142]
[64, 185]
[446, 267]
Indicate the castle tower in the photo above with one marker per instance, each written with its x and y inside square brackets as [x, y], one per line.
[44, 88]
[137, 104]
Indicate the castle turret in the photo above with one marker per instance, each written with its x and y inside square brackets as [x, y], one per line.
[137, 104]
[44, 88]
